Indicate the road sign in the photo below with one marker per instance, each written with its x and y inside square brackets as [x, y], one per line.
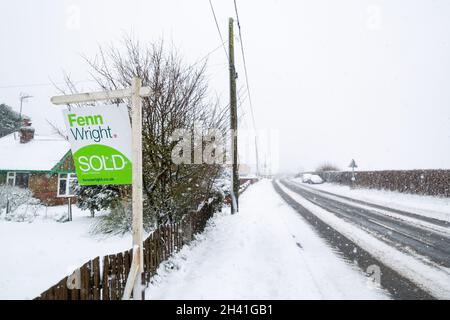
[353, 164]
[100, 138]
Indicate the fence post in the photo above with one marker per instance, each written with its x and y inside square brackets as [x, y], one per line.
[96, 286]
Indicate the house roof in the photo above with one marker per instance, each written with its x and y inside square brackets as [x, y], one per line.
[42, 153]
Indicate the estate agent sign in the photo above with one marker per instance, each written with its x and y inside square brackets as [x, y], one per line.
[100, 138]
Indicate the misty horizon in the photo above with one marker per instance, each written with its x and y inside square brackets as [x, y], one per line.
[364, 80]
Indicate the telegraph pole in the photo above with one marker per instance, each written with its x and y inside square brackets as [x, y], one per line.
[233, 122]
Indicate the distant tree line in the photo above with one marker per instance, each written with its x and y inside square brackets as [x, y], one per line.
[327, 166]
[9, 120]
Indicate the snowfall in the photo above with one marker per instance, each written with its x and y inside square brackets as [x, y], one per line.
[434, 278]
[266, 251]
[433, 207]
[36, 255]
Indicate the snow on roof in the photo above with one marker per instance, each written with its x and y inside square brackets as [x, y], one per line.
[40, 154]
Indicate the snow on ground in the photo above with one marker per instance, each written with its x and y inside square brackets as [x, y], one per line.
[433, 279]
[434, 207]
[443, 230]
[266, 251]
[35, 256]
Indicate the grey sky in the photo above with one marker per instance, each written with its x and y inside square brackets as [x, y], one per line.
[339, 79]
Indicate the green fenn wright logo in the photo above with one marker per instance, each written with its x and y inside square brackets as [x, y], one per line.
[100, 163]
[96, 134]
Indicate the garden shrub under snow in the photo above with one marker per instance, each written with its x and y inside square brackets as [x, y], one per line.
[20, 202]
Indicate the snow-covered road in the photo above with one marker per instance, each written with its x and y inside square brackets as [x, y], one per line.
[408, 274]
[267, 251]
[427, 237]
[425, 206]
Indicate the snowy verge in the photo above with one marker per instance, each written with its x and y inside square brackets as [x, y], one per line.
[417, 221]
[266, 251]
[33, 211]
[433, 279]
[433, 207]
[35, 256]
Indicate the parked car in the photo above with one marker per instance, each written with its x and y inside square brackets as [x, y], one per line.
[311, 179]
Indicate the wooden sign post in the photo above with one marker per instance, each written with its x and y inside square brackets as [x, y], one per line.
[136, 93]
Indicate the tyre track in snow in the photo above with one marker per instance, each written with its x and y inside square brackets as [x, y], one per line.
[265, 252]
[401, 233]
[431, 220]
[397, 285]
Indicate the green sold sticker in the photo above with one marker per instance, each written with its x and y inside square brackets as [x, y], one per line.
[101, 144]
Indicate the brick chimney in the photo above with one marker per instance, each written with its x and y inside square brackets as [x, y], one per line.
[26, 134]
[26, 122]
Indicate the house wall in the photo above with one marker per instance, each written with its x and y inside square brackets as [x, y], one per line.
[67, 165]
[45, 188]
[44, 185]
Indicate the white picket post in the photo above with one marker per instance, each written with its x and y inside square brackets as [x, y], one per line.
[136, 92]
[136, 126]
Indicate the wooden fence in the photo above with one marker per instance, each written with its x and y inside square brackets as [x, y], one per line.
[105, 279]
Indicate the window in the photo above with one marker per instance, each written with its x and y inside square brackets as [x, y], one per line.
[66, 184]
[18, 179]
[22, 180]
[11, 178]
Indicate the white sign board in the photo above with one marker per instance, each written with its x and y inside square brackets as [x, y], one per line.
[100, 138]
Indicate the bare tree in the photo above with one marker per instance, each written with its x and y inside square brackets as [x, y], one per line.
[180, 99]
[327, 166]
[57, 130]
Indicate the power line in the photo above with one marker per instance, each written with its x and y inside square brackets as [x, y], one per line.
[210, 53]
[43, 84]
[218, 29]
[245, 65]
[248, 86]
